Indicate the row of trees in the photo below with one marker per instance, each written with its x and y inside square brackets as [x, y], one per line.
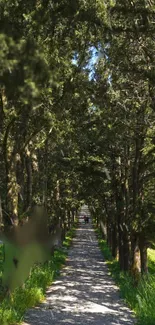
[124, 126]
[71, 129]
[38, 81]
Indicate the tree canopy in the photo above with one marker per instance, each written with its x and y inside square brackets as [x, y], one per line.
[77, 117]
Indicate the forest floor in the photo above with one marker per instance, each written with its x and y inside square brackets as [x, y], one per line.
[84, 293]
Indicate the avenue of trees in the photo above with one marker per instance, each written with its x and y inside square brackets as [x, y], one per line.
[73, 127]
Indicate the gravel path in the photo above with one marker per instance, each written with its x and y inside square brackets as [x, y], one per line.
[84, 293]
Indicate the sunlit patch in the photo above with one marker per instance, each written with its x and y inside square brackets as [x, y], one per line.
[90, 307]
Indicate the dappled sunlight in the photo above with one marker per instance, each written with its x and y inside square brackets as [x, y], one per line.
[85, 293]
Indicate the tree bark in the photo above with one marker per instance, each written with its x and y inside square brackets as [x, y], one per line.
[1, 214]
[135, 258]
[143, 254]
[45, 176]
[120, 247]
[12, 192]
[73, 217]
[114, 241]
[126, 251]
[120, 216]
[21, 182]
[68, 219]
[28, 164]
[63, 225]
[109, 235]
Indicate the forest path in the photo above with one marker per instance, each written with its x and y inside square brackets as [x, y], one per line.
[84, 293]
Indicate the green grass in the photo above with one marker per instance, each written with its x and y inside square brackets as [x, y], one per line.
[140, 299]
[151, 261]
[12, 309]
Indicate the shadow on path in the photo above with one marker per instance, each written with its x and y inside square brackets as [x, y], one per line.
[85, 293]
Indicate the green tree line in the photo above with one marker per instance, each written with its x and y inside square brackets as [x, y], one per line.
[71, 129]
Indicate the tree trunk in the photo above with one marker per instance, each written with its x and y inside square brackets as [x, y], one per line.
[126, 251]
[68, 219]
[120, 217]
[109, 232]
[135, 258]
[103, 229]
[45, 172]
[21, 182]
[73, 217]
[63, 220]
[143, 255]
[114, 241]
[29, 182]
[1, 214]
[120, 247]
[12, 192]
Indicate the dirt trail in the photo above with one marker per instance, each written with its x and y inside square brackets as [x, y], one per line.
[84, 293]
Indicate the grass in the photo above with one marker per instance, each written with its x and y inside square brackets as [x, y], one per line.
[12, 309]
[140, 299]
[151, 261]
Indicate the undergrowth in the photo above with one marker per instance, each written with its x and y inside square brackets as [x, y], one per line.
[12, 309]
[140, 299]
